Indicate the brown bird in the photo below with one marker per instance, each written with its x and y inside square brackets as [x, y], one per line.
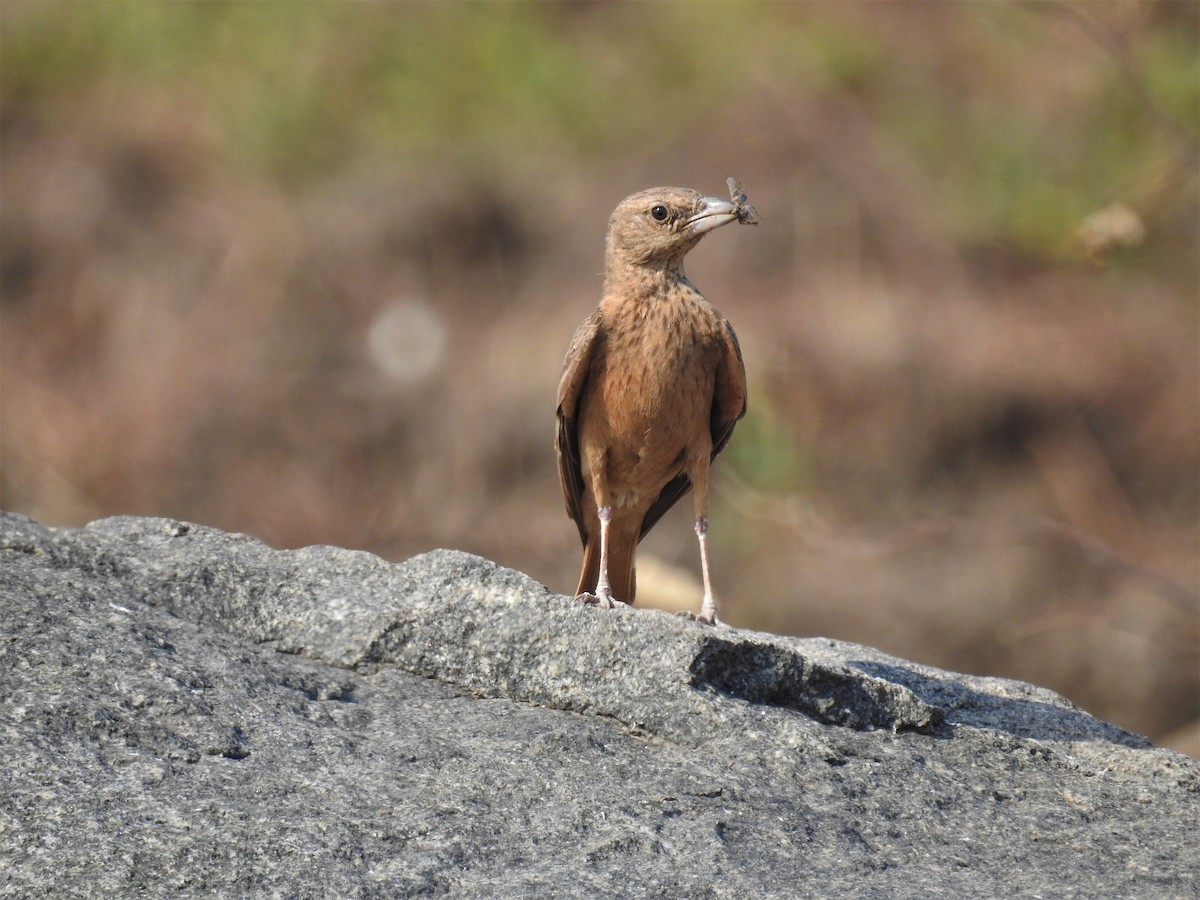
[652, 386]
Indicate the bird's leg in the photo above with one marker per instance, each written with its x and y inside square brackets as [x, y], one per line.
[698, 473]
[708, 605]
[604, 596]
[598, 466]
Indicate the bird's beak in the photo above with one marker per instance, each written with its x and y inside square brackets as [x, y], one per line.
[713, 214]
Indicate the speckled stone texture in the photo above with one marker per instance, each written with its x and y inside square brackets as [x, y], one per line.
[185, 711]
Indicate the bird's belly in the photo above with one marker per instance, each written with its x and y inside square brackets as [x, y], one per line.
[653, 412]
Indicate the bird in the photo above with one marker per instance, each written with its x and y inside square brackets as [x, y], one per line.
[652, 386]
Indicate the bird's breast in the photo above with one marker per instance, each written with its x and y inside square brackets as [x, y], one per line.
[652, 387]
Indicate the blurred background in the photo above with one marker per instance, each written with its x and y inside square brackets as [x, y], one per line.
[308, 271]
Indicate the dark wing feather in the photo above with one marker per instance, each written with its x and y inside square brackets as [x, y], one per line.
[667, 497]
[576, 367]
[729, 405]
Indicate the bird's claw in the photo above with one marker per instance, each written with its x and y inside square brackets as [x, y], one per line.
[700, 617]
[603, 601]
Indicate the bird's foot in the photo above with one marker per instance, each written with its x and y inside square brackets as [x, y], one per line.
[708, 611]
[602, 599]
[710, 619]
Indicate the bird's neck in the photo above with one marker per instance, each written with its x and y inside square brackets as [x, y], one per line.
[647, 280]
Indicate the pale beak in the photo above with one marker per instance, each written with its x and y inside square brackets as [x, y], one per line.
[713, 214]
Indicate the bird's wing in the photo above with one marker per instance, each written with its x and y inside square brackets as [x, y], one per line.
[729, 395]
[575, 372]
[729, 405]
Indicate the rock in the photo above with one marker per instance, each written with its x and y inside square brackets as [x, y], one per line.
[185, 711]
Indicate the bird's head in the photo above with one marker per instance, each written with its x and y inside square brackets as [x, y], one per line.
[658, 227]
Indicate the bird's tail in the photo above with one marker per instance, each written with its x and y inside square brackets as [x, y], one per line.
[621, 576]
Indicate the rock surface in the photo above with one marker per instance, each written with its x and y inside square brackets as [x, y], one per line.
[185, 711]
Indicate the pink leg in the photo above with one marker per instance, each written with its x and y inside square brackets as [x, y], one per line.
[603, 589]
[698, 473]
[708, 605]
[604, 596]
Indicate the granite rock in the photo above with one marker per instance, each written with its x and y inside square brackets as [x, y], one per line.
[185, 711]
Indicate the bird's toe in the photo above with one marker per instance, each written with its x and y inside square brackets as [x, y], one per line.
[702, 618]
[604, 601]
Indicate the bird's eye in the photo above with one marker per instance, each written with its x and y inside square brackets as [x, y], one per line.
[659, 213]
